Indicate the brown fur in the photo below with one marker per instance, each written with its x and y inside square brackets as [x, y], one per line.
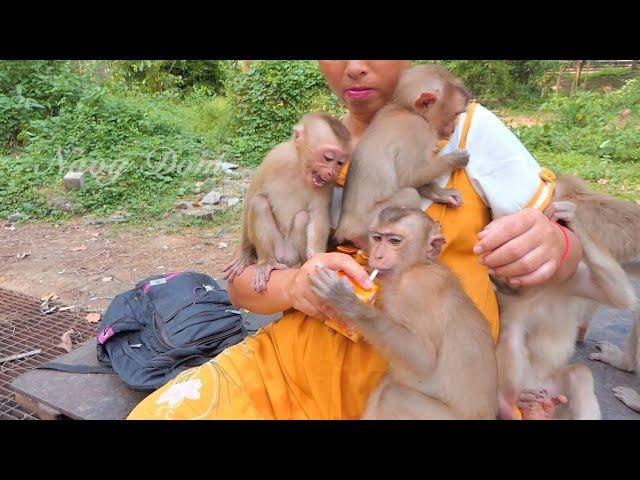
[615, 223]
[441, 355]
[286, 216]
[396, 150]
[538, 327]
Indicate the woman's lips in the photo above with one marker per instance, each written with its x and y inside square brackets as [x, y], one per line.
[358, 92]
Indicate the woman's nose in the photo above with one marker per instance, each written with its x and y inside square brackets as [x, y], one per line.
[356, 69]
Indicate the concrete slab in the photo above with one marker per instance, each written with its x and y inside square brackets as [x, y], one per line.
[612, 326]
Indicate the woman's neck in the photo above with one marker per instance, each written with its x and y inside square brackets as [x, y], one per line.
[357, 124]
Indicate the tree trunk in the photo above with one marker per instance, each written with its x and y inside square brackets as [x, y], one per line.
[579, 66]
[634, 65]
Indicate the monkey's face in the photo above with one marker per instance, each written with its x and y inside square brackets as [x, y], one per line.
[385, 247]
[402, 237]
[396, 245]
[324, 163]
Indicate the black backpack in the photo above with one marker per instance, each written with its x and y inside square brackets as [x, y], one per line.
[165, 325]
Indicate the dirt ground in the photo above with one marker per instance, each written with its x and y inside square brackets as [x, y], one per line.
[86, 265]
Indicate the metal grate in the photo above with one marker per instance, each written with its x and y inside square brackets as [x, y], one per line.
[23, 328]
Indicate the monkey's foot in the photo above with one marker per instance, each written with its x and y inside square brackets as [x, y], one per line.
[609, 353]
[285, 253]
[262, 274]
[235, 268]
[538, 404]
[628, 396]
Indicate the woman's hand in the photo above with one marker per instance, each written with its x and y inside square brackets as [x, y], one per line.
[301, 295]
[526, 248]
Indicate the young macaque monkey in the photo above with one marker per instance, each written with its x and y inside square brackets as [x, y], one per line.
[441, 355]
[286, 209]
[615, 223]
[538, 327]
[397, 149]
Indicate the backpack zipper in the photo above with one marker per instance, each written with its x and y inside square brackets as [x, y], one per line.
[226, 333]
[161, 335]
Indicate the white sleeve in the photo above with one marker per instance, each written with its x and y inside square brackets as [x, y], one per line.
[501, 169]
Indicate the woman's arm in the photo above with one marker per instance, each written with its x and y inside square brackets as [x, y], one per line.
[291, 288]
[521, 244]
[276, 297]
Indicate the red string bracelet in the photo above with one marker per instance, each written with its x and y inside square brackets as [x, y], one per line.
[567, 244]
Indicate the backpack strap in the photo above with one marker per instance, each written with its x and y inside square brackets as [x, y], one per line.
[62, 367]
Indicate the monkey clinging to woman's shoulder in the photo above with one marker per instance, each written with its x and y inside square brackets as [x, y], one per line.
[397, 149]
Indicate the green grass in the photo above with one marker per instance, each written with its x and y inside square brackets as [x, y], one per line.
[611, 72]
[203, 116]
[609, 78]
[622, 179]
[582, 134]
[119, 130]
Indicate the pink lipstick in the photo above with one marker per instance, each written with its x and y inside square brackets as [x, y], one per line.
[358, 92]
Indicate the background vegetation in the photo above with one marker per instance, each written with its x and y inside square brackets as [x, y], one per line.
[127, 122]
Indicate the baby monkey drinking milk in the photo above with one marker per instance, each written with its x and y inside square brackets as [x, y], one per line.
[441, 354]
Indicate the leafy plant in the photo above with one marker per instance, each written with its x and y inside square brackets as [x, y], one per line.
[589, 123]
[33, 90]
[268, 100]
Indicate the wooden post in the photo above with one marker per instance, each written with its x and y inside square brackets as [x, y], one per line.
[579, 66]
[559, 78]
[634, 65]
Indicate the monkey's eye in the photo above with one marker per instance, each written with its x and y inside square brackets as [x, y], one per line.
[375, 237]
[328, 157]
[395, 240]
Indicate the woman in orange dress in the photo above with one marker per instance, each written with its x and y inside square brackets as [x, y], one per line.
[298, 368]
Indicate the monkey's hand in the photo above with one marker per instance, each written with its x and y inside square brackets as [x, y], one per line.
[336, 292]
[446, 196]
[564, 211]
[458, 159]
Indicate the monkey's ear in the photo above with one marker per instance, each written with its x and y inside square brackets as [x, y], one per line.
[436, 243]
[425, 99]
[298, 133]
